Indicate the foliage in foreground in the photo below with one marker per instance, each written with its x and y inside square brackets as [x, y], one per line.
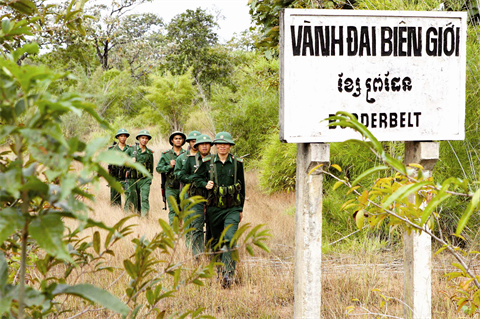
[408, 197]
[39, 189]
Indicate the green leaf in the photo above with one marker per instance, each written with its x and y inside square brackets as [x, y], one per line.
[222, 235]
[338, 184]
[24, 6]
[150, 296]
[238, 233]
[30, 48]
[96, 241]
[10, 221]
[6, 301]
[468, 212]
[6, 130]
[130, 268]
[6, 27]
[120, 159]
[135, 311]
[359, 127]
[250, 250]
[95, 145]
[48, 230]
[360, 219]
[395, 163]
[262, 246]
[337, 167]
[437, 200]
[403, 192]
[93, 294]
[369, 172]
[3, 272]
[198, 282]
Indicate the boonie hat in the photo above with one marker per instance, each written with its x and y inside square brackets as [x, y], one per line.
[144, 133]
[177, 133]
[193, 135]
[122, 131]
[203, 139]
[223, 138]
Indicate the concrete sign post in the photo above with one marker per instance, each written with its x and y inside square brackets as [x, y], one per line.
[308, 230]
[418, 247]
[402, 74]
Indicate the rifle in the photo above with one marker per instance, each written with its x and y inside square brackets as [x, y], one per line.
[164, 196]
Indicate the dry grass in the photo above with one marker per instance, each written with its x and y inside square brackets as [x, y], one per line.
[265, 288]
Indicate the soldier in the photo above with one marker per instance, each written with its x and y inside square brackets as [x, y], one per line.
[222, 176]
[140, 184]
[119, 172]
[195, 238]
[192, 150]
[166, 165]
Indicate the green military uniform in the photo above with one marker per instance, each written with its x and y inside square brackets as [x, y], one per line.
[226, 199]
[172, 184]
[140, 184]
[195, 238]
[183, 157]
[119, 172]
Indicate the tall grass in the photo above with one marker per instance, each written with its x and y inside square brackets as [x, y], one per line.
[351, 268]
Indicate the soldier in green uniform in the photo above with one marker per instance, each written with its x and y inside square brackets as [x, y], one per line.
[166, 166]
[139, 183]
[195, 238]
[192, 150]
[222, 176]
[119, 172]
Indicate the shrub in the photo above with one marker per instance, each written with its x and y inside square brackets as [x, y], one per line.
[278, 165]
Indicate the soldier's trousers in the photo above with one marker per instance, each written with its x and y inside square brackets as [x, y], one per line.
[176, 194]
[140, 189]
[116, 197]
[195, 238]
[219, 219]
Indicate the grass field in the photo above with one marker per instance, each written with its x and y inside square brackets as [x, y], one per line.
[351, 269]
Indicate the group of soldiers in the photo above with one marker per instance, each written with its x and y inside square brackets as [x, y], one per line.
[219, 178]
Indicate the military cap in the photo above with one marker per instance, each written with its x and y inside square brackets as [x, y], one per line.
[203, 139]
[223, 138]
[193, 135]
[174, 134]
[144, 133]
[122, 131]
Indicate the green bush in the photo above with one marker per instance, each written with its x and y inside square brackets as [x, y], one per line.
[278, 165]
[250, 113]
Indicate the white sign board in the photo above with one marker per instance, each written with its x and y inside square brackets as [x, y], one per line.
[401, 73]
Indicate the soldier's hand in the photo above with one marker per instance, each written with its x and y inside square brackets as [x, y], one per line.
[209, 185]
[134, 159]
[172, 163]
[241, 216]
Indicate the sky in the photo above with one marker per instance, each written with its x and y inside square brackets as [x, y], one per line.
[235, 12]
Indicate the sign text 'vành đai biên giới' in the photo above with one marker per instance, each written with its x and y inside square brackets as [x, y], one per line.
[401, 73]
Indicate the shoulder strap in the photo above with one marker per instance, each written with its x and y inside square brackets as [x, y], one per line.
[235, 162]
[196, 160]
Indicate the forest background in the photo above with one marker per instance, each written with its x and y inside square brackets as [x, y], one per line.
[143, 73]
[140, 72]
